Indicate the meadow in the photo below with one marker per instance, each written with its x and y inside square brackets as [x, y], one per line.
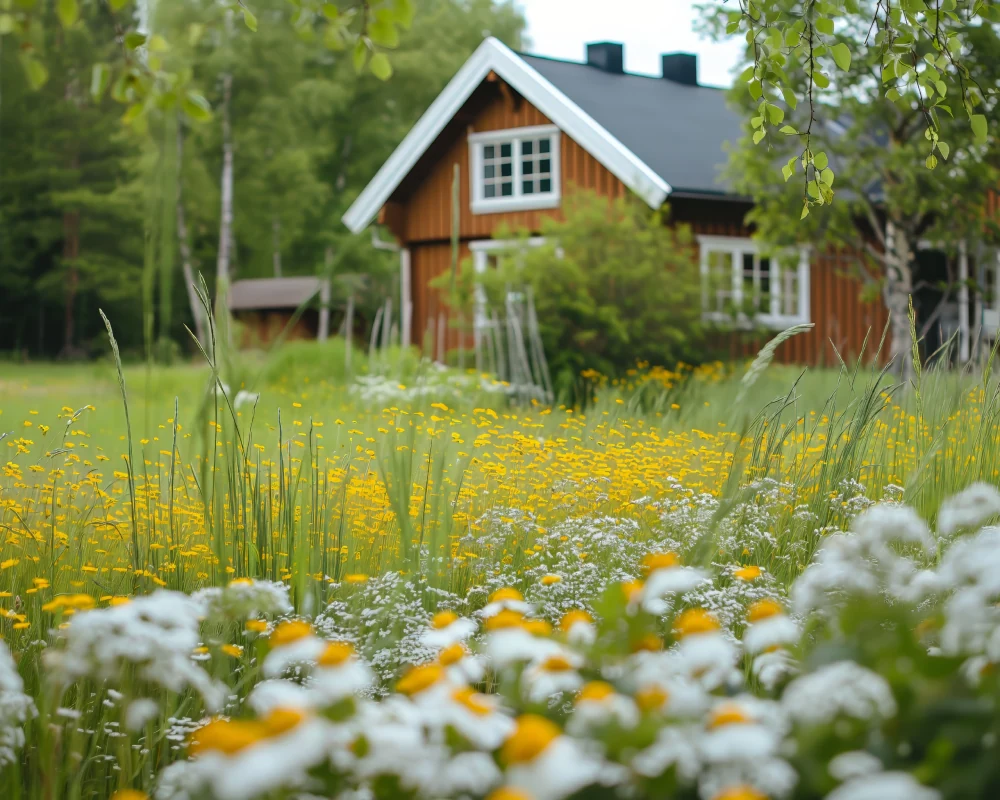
[264, 579]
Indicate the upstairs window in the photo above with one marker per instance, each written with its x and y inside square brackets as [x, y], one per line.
[740, 285]
[515, 169]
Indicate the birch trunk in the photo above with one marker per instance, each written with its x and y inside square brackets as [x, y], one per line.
[197, 311]
[896, 293]
[276, 247]
[226, 215]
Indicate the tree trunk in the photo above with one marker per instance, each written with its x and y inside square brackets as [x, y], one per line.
[276, 246]
[226, 216]
[896, 292]
[197, 311]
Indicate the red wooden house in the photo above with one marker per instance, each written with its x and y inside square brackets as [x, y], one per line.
[524, 131]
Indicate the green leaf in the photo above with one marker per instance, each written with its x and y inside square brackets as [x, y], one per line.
[118, 5]
[6, 24]
[157, 44]
[931, 161]
[100, 77]
[732, 27]
[330, 11]
[979, 127]
[758, 135]
[135, 40]
[68, 12]
[405, 10]
[775, 114]
[826, 176]
[132, 113]
[756, 122]
[196, 107]
[380, 66]
[820, 160]
[824, 25]
[805, 211]
[755, 89]
[788, 129]
[842, 55]
[787, 171]
[359, 55]
[944, 149]
[821, 80]
[249, 19]
[34, 71]
[383, 33]
[790, 99]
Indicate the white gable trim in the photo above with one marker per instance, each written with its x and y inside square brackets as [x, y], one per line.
[541, 93]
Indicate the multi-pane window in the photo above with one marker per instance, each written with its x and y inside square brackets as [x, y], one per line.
[515, 169]
[740, 284]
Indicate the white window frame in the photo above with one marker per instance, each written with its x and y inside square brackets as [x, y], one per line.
[737, 247]
[517, 201]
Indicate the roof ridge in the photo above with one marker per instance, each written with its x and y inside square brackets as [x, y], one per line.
[626, 73]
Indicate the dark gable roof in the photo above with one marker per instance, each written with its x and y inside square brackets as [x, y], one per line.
[262, 293]
[679, 131]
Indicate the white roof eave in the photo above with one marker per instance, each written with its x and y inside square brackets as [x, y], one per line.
[493, 55]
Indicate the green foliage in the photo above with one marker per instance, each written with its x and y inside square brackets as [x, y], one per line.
[308, 132]
[922, 59]
[613, 285]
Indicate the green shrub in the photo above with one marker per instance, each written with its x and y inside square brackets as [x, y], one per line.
[613, 285]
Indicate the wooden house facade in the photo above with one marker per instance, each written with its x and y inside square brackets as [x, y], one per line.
[523, 132]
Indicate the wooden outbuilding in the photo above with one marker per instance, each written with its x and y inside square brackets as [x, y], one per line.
[265, 307]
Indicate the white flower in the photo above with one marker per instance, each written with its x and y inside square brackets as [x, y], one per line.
[16, 708]
[672, 581]
[553, 675]
[243, 398]
[841, 689]
[887, 523]
[512, 645]
[772, 667]
[707, 658]
[505, 600]
[599, 704]
[305, 650]
[675, 746]
[546, 765]
[447, 629]
[777, 630]
[277, 693]
[884, 786]
[139, 712]
[968, 509]
[853, 764]
[244, 598]
[479, 718]
[464, 774]
[156, 634]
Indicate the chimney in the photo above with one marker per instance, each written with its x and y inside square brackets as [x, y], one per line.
[681, 68]
[607, 56]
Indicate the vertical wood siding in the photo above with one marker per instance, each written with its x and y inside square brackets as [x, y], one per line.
[422, 220]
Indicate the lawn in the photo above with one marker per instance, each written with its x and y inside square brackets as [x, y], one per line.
[360, 509]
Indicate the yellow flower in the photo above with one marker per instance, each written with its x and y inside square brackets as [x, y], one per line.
[356, 578]
[595, 690]
[288, 632]
[476, 703]
[763, 609]
[538, 627]
[335, 654]
[452, 655]
[505, 594]
[694, 621]
[72, 602]
[748, 573]
[256, 625]
[419, 678]
[505, 619]
[443, 619]
[652, 698]
[727, 714]
[531, 736]
[129, 794]
[740, 793]
[655, 561]
[571, 618]
[548, 580]
[233, 650]
[10, 562]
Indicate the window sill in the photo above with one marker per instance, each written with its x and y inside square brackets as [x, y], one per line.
[770, 321]
[499, 205]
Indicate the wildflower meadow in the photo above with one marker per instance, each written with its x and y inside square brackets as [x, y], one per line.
[724, 583]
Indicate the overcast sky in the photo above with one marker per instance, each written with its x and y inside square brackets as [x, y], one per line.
[647, 28]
